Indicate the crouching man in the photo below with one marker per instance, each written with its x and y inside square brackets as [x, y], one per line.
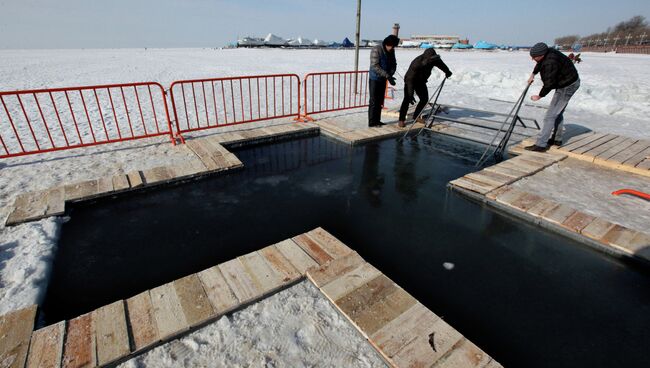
[558, 73]
[415, 80]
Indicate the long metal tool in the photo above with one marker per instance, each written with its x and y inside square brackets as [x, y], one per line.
[504, 141]
[435, 94]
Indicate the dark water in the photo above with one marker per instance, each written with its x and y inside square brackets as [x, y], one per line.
[530, 298]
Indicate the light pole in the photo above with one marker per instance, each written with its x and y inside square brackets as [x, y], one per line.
[356, 47]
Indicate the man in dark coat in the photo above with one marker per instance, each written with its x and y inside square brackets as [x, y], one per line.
[415, 80]
[382, 68]
[559, 74]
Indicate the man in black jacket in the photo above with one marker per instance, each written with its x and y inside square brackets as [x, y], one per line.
[559, 74]
[382, 68]
[415, 80]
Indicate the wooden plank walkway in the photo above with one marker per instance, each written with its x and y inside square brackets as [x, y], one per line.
[404, 331]
[609, 150]
[492, 189]
[360, 136]
[207, 155]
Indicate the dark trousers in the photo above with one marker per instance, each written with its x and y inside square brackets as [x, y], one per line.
[377, 93]
[423, 95]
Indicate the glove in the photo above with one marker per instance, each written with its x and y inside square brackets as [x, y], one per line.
[391, 80]
[448, 75]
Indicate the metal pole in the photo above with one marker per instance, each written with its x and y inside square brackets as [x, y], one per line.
[356, 47]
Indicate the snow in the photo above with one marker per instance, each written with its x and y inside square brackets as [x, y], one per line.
[565, 181]
[614, 98]
[296, 327]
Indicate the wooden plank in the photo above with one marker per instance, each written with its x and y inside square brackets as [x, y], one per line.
[527, 201]
[142, 321]
[27, 207]
[280, 264]
[522, 166]
[191, 167]
[578, 221]
[582, 142]
[135, 179]
[82, 190]
[472, 186]
[407, 338]
[644, 165]
[239, 281]
[497, 192]
[595, 144]
[221, 297]
[638, 158]
[510, 196]
[490, 178]
[111, 333]
[264, 277]
[465, 355]
[298, 258]
[628, 153]
[605, 147]
[312, 248]
[334, 247]
[513, 174]
[46, 347]
[597, 228]
[157, 175]
[328, 272]
[120, 182]
[194, 301]
[578, 138]
[366, 295]
[620, 147]
[620, 237]
[168, 311]
[105, 185]
[79, 350]
[15, 329]
[559, 214]
[542, 207]
[372, 318]
[349, 281]
[55, 202]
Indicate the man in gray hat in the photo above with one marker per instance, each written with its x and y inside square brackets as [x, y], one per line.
[559, 74]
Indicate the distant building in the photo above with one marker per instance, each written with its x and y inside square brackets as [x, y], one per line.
[441, 41]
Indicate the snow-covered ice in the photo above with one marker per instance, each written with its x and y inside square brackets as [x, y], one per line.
[589, 188]
[614, 97]
[296, 327]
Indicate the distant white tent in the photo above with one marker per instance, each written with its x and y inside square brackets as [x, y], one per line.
[411, 43]
[300, 42]
[318, 42]
[273, 40]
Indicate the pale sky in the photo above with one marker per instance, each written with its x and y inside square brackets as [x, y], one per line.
[27, 24]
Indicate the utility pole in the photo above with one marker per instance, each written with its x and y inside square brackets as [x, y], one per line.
[627, 39]
[356, 47]
[616, 40]
[642, 38]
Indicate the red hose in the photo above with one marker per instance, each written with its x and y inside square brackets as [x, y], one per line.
[633, 192]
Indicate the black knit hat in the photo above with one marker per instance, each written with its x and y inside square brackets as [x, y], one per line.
[391, 40]
[540, 49]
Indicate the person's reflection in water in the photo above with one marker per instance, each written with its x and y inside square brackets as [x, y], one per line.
[371, 180]
[404, 170]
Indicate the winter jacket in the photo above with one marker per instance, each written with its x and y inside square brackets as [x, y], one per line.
[557, 71]
[420, 68]
[382, 63]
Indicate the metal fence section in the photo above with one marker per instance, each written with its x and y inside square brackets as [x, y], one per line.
[209, 103]
[44, 120]
[333, 91]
